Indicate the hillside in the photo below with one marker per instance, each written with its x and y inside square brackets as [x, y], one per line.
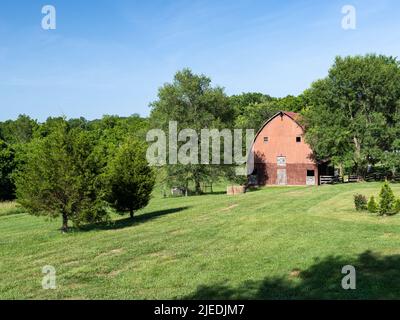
[273, 243]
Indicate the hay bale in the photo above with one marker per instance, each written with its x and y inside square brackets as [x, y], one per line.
[234, 190]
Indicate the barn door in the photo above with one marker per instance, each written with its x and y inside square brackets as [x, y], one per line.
[310, 181]
[281, 177]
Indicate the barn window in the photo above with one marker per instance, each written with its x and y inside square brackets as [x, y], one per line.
[265, 139]
[281, 161]
[310, 173]
[298, 139]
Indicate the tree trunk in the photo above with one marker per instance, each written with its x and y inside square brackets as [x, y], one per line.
[357, 154]
[358, 148]
[131, 213]
[197, 187]
[341, 171]
[64, 227]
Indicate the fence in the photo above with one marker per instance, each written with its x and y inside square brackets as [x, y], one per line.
[330, 179]
[378, 176]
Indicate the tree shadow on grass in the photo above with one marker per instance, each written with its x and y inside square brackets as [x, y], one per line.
[376, 278]
[129, 222]
[214, 193]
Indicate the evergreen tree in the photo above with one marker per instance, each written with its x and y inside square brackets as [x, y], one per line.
[59, 177]
[396, 206]
[387, 199]
[130, 180]
[372, 205]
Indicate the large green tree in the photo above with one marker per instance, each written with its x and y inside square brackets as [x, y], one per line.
[18, 131]
[59, 176]
[193, 103]
[352, 115]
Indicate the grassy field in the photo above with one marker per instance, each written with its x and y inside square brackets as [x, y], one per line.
[9, 208]
[274, 243]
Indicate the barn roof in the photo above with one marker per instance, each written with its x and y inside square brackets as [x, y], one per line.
[292, 115]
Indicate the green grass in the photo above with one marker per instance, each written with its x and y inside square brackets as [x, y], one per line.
[10, 208]
[274, 243]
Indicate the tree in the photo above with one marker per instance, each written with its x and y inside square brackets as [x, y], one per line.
[18, 131]
[351, 114]
[193, 103]
[291, 103]
[7, 167]
[13, 135]
[391, 158]
[372, 205]
[129, 178]
[112, 131]
[255, 115]
[240, 102]
[50, 125]
[396, 207]
[387, 200]
[360, 202]
[59, 177]
[391, 161]
[80, 122]
[258, 111]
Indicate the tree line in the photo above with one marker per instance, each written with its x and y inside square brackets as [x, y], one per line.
[77, 168]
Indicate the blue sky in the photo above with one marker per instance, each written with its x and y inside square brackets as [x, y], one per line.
[111, 56]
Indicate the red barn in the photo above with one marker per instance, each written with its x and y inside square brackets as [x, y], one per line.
[281, 156]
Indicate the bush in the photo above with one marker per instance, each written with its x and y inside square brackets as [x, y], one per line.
[360, 202]
[387, 199]
[373, 205]
[396, 206]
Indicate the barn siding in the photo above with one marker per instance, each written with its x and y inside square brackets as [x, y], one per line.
[282, 131]
[296, 173]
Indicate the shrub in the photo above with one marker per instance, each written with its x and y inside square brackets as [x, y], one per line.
[373, 205]
[396, 206]
[387, 199]
[360, 202]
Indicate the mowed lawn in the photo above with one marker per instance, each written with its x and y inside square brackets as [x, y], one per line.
[274, 243]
